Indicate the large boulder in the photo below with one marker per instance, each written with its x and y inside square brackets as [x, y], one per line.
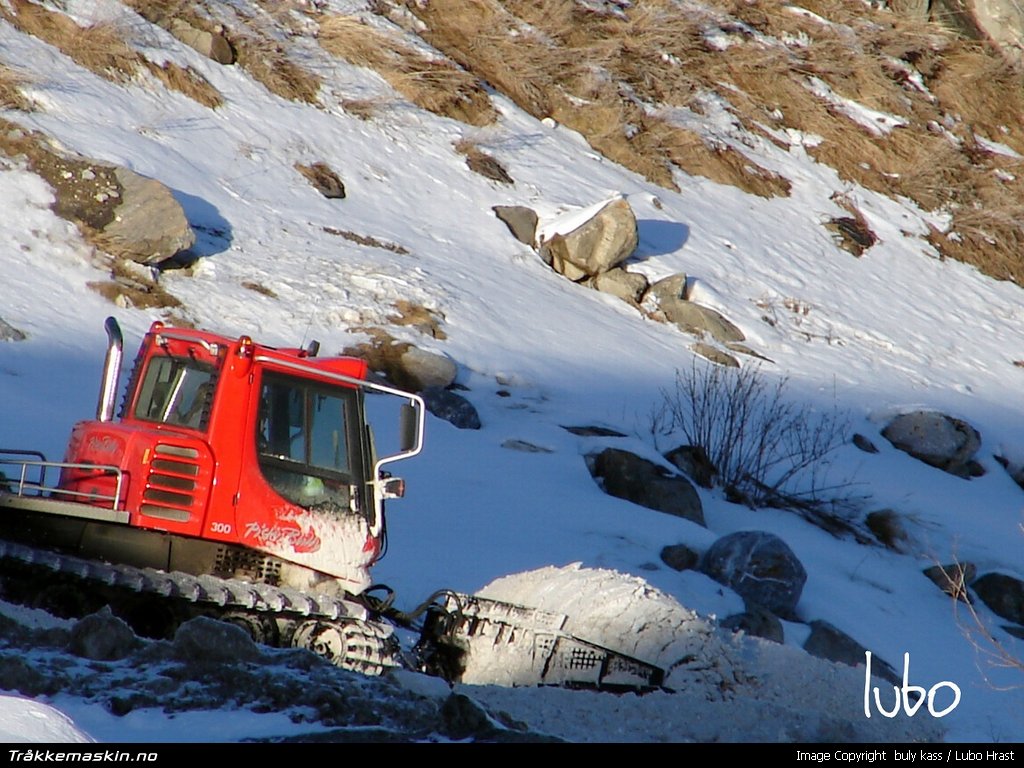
[627, 476]
[936, 439]
[759, 567]
[586, 243]
[757, 622]
[149, 225]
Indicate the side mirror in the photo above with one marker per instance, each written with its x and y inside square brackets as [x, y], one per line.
[408, 427]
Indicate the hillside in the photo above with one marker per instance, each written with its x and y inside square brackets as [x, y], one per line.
[835, 187]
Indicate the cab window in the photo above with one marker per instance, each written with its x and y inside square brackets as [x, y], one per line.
[303, 440]
[176, 390]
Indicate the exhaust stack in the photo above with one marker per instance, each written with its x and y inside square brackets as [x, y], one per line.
[111, 371]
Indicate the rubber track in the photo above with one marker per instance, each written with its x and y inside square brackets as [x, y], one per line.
[225, 595]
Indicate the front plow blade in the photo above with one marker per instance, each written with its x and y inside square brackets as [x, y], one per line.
[512, 645]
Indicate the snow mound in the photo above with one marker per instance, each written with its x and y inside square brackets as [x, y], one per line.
[772, 692]
[628, 615]
[26, 721]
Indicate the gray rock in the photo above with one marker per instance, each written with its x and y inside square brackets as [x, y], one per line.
[593, 431]
[520, 220]
[679, 557]
[9, 333]
[1003, 594]
[451, 407]
[828, 642]
[427, 369]
[212, 641]
[671, 288]
[102, 636]
[603, 242]
[212, 45]
[628, 286]
[953, 578]
[693, 461]
[758, 622]
[149, 225]
[700, 320]
[864, 443]
[324, 179]
[715, 355]
[671, 296]
[760, 567]
[525, 446]
[936, 439]
[630, 477]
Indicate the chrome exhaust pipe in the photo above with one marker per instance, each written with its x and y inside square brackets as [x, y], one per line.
[111, 371]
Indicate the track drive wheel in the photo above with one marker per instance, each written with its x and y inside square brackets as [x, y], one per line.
[354, 645]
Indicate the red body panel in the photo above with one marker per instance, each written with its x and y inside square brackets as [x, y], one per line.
[207, 481]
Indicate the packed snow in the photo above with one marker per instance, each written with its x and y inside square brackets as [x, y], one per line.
[892, 331]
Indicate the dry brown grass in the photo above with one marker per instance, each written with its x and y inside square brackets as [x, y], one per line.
[132, 286]
[11, 96]
[480, 162]
[187, 81]
[364, 109]
[556, 59]
[267, 62]
[265, 59]
[599, 73]
[102, 49]
[433, 84]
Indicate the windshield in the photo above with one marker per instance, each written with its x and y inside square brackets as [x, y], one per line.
[176, 390]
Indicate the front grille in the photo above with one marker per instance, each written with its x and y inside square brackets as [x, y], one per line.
[170, 487]
[251, 566]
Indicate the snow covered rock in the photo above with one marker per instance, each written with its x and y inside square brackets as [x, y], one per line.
[936, 439]
[630, 477]
[760, 567]
[591, 241]
[102, 636]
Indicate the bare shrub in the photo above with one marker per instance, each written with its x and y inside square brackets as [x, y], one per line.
[976, 628]
[768, 450]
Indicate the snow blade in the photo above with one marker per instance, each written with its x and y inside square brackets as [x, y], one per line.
[512, 645]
